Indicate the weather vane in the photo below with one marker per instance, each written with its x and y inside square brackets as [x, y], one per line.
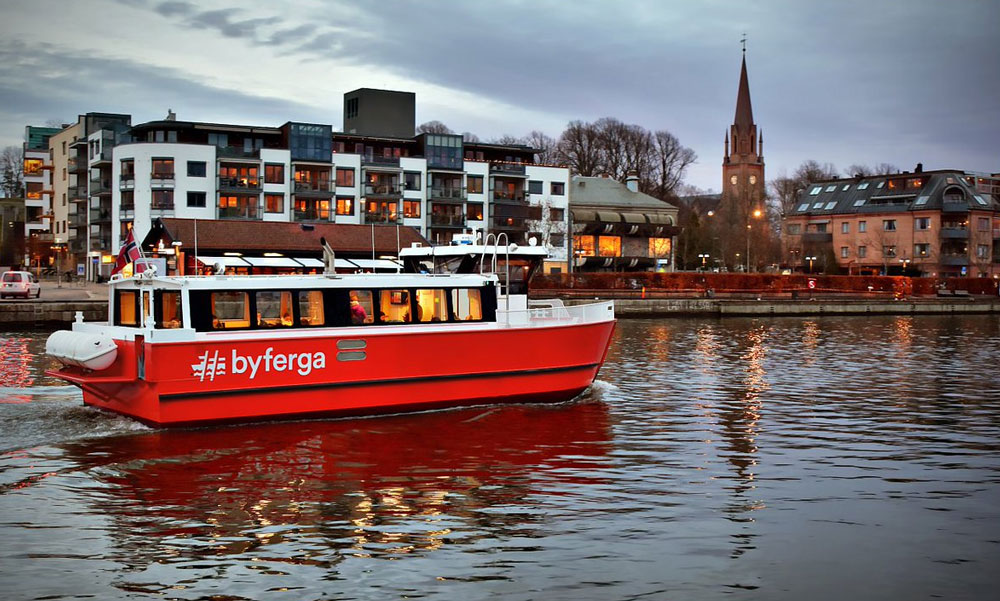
[744, 42]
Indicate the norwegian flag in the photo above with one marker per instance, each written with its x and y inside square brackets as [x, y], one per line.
[128, 253]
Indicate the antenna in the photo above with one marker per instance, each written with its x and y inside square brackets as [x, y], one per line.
[744, 42]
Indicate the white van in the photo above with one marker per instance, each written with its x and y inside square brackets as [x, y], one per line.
[19, 283]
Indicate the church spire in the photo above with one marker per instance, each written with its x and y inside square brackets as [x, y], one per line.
[744, 112]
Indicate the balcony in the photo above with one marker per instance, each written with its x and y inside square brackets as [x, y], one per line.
[954, 260]
[384, 190]
[79, 192]
[77, 220]
[126, 181]
[954, 207]
[102, 157]
[510, 197]
[100, 187]
[127, 211]
[100, 215]
[381, 217]
[374, 161]
[817, 237]
[238, 184]
[100, 245]
[311, 214]
[456, 194]
[457, 221]
[517, 169]
[954, 233]
[77, 164]
[234, 152]
[246, 211]
[161, 180]
[507, 224]
[318, 189]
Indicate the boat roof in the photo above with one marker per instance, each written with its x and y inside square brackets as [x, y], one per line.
[267, 282]
[473, 249]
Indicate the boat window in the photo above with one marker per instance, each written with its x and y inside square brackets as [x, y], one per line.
[168, 309]
[274, 309]
[311, 308]
[432, 305]
[362, 309]
[146, 312]
[230, 310]
[394, 306]
[467, 304]
[126, 308]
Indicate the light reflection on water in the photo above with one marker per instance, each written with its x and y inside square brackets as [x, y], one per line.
[821, 458]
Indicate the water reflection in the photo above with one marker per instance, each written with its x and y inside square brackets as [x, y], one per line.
[364, 488]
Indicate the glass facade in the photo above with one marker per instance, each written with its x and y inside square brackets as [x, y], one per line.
[443, 151]
[309, 142]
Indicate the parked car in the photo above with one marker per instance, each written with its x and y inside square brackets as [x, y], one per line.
[19, 283]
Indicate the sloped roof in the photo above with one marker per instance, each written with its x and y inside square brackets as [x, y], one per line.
[268, 236]
[604, 192]
[938, 190]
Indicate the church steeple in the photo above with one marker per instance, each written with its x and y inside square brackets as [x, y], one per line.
[744, 110]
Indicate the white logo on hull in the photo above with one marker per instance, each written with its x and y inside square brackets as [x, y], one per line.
[211, 365]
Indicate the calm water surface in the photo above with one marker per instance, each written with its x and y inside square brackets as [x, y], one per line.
[827, 458]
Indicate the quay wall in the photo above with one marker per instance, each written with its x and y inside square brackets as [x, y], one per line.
[676, 307]
[41, 313]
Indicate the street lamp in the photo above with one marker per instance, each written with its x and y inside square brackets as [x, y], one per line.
[905, 262]
[756, 215]
[703, 258]
[810, 259]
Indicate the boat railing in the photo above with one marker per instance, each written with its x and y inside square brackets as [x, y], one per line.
[558, 314]
[495, 239]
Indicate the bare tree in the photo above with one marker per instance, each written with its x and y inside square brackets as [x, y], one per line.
[468, 136]
[12, 172]
[433, 127]
[859, 170]
[545, 147]
[507, 140]
[672, 160]
[578, 148]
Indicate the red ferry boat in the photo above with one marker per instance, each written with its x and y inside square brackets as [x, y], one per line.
[193, 349]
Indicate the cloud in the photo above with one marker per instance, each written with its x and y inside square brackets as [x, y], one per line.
[170, 9]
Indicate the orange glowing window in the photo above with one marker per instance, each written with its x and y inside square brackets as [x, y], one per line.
[609, 246]
[584, 245]
[659, 248]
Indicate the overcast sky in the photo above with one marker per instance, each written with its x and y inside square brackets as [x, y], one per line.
[843, 81]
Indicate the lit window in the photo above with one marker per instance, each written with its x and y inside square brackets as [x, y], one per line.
[659, 248]
[609, 246]
[432, 305]
[584, 245]
[274, 309]
[466, 304]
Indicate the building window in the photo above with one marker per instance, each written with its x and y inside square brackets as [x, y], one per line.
[844, 252]
[128, 169]
[239, 176]
[922, 223]
[474, 210]
[983, 251]
[584, 246]
[219, 140]
[659, 248]
[889, 251]
[983, 224]
[345, 177]
[862, 252]
[862, 226]
[609, 246]
[559, 188]
[274, 203]
[557, 240]
[794, 229]
[163, 200]
[196, 199]
[889, 225]
[274, 173]
[127, 200]
[345, 205]
[534, 187]
[411, 208]
[33, 166]
[163, 169]
[475, 184]
[845, 228]
[411, 180]
[921, 250]
[557, 214]
[196, 169]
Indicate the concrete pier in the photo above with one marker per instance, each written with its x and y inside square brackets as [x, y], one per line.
[625, 308]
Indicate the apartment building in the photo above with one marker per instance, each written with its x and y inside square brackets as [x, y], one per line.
[936, 223]
[38, 194]
[438, 184]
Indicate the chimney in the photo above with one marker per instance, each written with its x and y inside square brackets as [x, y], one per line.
[919, 168]
[632, 181]
[171, 115]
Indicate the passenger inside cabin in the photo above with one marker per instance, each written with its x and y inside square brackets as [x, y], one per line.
[358, 314]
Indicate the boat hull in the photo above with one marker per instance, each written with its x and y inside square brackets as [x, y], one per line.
[344, 372]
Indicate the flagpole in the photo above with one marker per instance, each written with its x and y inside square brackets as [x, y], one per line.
[196, 270]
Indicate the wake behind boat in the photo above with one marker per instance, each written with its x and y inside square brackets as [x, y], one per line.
[194, 349]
